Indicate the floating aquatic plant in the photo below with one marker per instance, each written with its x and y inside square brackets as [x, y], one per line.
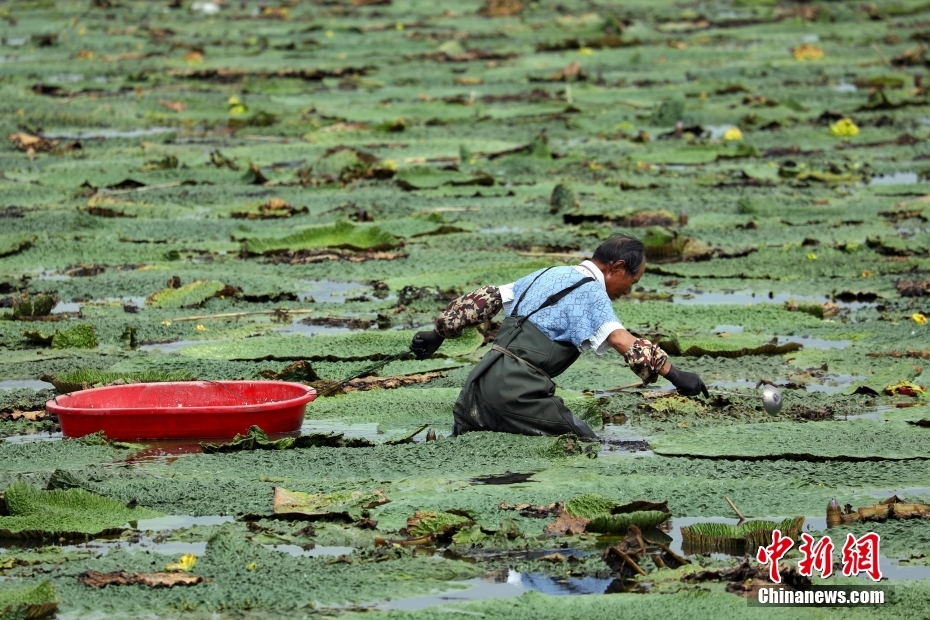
[190, 295]
[736, 539]
[71, 513]
[341, 235]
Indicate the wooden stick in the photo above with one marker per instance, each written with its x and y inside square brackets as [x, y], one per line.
[667, 550]
[880, 55]
[735, 509]
[228, 315]
[625, 387]
[628, 560]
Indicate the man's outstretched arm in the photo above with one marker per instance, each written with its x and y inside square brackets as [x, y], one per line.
[468, 310]
[648, 361]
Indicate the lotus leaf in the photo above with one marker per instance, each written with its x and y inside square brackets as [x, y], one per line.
[736, 539]
[188, 296]
[345, 504]
[84, 378]
[254, 439]
[620, 523]
[72, 513]
[11, 244]
[590, 505]
[342, 234]
[368, 345]
[81, 336]
[437, 524]
[424, 177]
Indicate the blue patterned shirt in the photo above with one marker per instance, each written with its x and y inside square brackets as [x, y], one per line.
[585, 317]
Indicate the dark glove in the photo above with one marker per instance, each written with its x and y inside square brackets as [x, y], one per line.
[688, 383]
[425, 344]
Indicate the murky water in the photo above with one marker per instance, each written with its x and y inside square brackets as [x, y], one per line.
[744, 298]
[309, 330]
[897, 178]
[29, 384]
[103, 134]
[811, 342]
[331, 291]
[845, 87]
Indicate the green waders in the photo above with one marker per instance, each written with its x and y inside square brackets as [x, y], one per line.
[511, 388]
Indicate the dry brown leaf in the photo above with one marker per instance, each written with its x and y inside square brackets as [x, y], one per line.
[566, 525]
[174, 106]
[31, 143]
[501, 8]
[96, 579]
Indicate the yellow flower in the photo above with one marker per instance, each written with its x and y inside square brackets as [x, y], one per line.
[811, 256]
[201, 328]
[236, 106]
[733, 133]
[252, 566]
[186, 563]
[919, 318]
[399, 26]
[586, 51]
[844, 128]
[330, 34]
[866, 273]
[807, 51]
[166, 323]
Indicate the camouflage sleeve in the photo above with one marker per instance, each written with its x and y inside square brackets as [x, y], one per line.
[646, 360]
[469, 310]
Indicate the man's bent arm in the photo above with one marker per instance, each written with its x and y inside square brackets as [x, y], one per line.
[469, 310]
[644, 358]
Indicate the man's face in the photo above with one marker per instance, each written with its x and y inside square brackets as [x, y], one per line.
[618, 282]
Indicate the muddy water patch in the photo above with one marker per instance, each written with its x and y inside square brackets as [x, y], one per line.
[30, 384]
[812, 342]
[745, 298]
[332, 291]
[511, 585]
[298, 327]
[104, 134]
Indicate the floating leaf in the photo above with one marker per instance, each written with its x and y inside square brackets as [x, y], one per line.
[188, 296]
[12, 244]
[342, 234]
[81, 336]
[620, 523]
[85, 378]
[72, 513]
[707, 538]
[254, 439]
[346, 504]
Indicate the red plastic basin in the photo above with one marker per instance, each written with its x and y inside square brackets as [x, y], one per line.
[188, 409]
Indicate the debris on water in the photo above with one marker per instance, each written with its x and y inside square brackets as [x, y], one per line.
[97, 579]
[890, 508]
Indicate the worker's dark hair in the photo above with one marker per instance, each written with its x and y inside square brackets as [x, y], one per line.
[622, 247]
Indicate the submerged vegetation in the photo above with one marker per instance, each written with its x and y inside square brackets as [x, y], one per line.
[290, 190]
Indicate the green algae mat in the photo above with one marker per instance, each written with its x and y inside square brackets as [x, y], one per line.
[288, 190]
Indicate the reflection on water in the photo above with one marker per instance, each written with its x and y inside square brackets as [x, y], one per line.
[322, 291]
[896, 178]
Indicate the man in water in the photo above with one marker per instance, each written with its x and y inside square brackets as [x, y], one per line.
[551, 316]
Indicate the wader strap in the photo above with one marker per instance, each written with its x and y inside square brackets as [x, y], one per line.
[519, 359]
[557, 297]
[513, 312]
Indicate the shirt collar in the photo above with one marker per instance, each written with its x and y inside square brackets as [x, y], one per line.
[590, 267]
